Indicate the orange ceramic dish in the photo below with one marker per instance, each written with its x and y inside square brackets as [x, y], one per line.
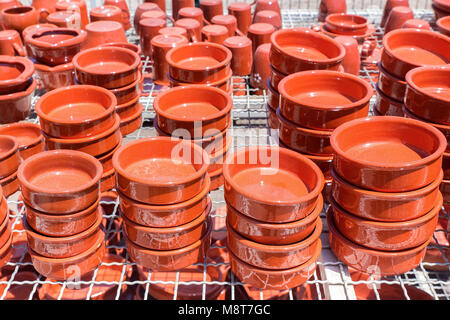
[9, 156]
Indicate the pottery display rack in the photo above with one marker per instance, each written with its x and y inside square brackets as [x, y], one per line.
[331, 279]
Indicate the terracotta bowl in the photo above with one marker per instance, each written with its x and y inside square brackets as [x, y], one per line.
[275, 279]
[60, 181]
[28, 136]
[204, 111]
[76, 111]
[270, 184]
[428, 93]
[348, 24]
[15, 73]
[304, 140]
[9, 156]
[323, 99]
[160, 170]
[390, 85]
[301, 49]
[201, 62]
[170, 260]
[62, 269]
[168, 216]
[16, 106]
[129, 92]
[444, 25]
[56, 46]
[386, 106]
[224, 84]
[370, 261]
[385, 154]
[51, 78]
[108, 67]
[406, 49]
[386, 236]
[126, 45]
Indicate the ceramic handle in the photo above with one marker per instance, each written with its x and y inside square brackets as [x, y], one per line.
[239, 33]
[19, 50]
[192, 36]
[206, 21]
[43, 14]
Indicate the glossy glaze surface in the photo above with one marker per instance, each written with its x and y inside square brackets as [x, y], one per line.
[16, 106]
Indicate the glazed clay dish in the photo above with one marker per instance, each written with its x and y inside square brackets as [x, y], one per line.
[60, 181]
[347, 24]
[15, 73]
[384, 154]
[28, 136]
[323, 99]
[272, 184]
[9, 156]
[160, 170]
[192, 106]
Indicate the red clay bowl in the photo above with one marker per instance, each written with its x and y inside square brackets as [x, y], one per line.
[160, 170]
[390, 85]
[386, 106]
[301, 49]
[438, 12]
[65, 246]
[129, 92]
[323, 99]
[200, 110]
[16, 106]
[168, 216]
[56, 46]
[200, 62]
[60, 181]
[275, 279]
[9, 156]
[28, 136]
[15, 73]
[223, 84]
[62, 269]
[108, 67]
[170, 259]
[428, 93]
[370, 261]
[62, 225]
[384, 154]
[385, 206]
[304, 140]
[273, 233]
[443, 25]
[271, 184]
[76, 111]
[52, 78]
[95, 145]
[406, 49]
[348, 24]
[387, 236]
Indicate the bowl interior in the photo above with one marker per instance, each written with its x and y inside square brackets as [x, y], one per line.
[53, 36]
[24, 134]
[7, 144]
[347, 20]
[106, 60]
[444, 23]
[198, 56]
[18, 10]
[10, 71]
[433, 82]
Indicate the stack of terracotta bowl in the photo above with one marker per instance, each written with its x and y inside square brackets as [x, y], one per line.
[17, 86]
[118, 70]
[5, 231]
[199, 114]
[52, 51]
[343, 24]
[60, 190]
[9, 163]
[441, 8]
[273, 200]
[385, 193]
[163, 187]
[404, 50]
[28, 135]
[312, 105]
[82, 118]
[200, 63]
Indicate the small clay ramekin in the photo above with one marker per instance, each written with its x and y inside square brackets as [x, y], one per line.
[76, 111]
[60, 181]
[273, 233]
[387, 236]
[62, 269]
[128, 93]
[108, 67]
[66, 246]
[301, 49]
[387, 106]
[271, 184]
[304, 140]
[16, 106]
[160, 170]
[207, 107]
[15, 74]
[347, 24]
[370, 261]
[275, 279]
[169, 216]
[323, 99]
[51, 78]
[428, 93]
[390, 85]
[384, 153]
[170, 260]
[9, 156]
[28, 136]
[200, 62]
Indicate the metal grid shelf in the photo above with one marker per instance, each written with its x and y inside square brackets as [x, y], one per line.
[332, 278]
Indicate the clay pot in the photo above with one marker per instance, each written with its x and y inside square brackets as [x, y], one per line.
[184, 180]
[101, 32]
[193, 28]
[242, 60]
[15, 74]
[141, 8]
[148, 29]
[11, 43]
[73, 188]
[259, 196]
[110, 13]
[412, 164]
[214, 33]
[28, 136]
[19, 17]
[397, 17]
[94, 66]
[261, 67]
[352, 59]
[75, 6]
[243, 14]
[430, 48]
[191, 13]
[228, 21]
[327, 7]
[259, 33]
[416, 24]
[178, 4]
[444, 26]
[346, 24]
[268, 16]
[123, 6]
[389, 5]
[65, 19]
[390, 85]
[322, 99]
[211, 8]
[301, 49]
[9, 156]
[16, 106]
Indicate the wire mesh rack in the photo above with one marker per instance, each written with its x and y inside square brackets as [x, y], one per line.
[331, 280]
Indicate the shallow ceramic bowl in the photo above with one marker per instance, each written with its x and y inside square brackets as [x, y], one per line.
[387, 106]
[384, 154]
[15, 73]
[16, 106]
[390, 85]
[9, 156]
[347, 24]
[28, 136]
[444, 25]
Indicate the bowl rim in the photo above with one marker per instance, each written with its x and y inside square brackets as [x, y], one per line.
[20, 125]
[440, 25]
[24, 75]
[35, 42]
[324, 133]
[21, 94]
[427, 69]
[10, 152]
[335, 24]
[439, 126]
[57, 216]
